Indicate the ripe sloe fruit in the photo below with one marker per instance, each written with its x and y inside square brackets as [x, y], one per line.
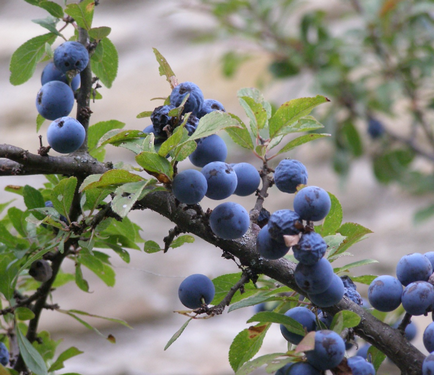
[312, 203]
[302, 315]
[428, 365]
[385, 293]
[65, 135]
[329, 350]
[298, 368]
[209, 149]
[413, 267]
[189, 186]
[331, 296]
[71, 56]
[41, 270]
[430, 256]
[196, 290]
[160, 118]
[288, 174]
[428, 337]
[310, 249]
[375, 128]
[269, 248]
[4, 354]
[350, 290]
[51, 73]
[248, 179]
[194, 101]
[283, 222]
[229, 220]
[221, 178]
[418, 298]
[55, 99]
[316, 278]
[410, 330]
[359, 366]
[363, 351]
[210, 105]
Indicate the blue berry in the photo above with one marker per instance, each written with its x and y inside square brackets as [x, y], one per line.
[194, 101]
[248, 179]
[385, 293]
[350, 290]
[310, 249]
[284, 222]
[418, 298]
[210, 105]
[428, 365]
[298, 368]
[263, 217]
[329, 350]
[363, 351]
[229, 220]
[331, 296]
[71, 56]
[375, 128]
[316, 278]
[430, 256]
[413, 267]
[289, 174]
[196, 290]
[65, 135]
[54, 99]
[189, 186]
[325, 318]
[191, 124]
[4, 354]
[158, 139]
[61, 218]
[221, 178]
[359, 366]
[428, 337]
[209, 149]
[51, 73]
[312, 203]
[410, 330]
[269, 248]
[160, 118]
[302, 315]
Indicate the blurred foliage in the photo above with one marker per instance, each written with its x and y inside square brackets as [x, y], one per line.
[373, 59]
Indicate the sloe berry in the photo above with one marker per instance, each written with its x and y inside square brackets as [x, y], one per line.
[288, 174]
[196, 290]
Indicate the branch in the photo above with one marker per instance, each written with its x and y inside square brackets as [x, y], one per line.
[17, 161]
[382, 336]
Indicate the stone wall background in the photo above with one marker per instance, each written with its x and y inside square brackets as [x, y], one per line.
[146, 290]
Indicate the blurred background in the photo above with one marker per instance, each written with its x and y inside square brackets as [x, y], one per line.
[373, 59]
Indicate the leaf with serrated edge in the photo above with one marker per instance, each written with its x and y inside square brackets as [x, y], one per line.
[333, 220]
[96, 131]
[165, 69]
[126, 196]
[30, 355]
[112, 179]
[267, 359]
[24, 59]
[116, 138]
[177, 334]
[273, 317]
[151, 247]
[359, 263]
[353, 233]
[105, 66]
[333, 242]
[302, 140]
[290, 112]
[246, 344]
[181, 240]
[99, 33]
[377, 357]
[364, 279]
[241, 136]
[213, 122]
[154, 163]
[65, 355]
[82, 13]
[63, 194]
[344, 319]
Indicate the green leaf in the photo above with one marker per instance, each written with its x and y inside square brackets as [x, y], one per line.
[423, 214]
[151, 247]
[24, 59]
[184, 150]
[113, 320]
[8, 272]
[23, 313]
[181, 240]
[65, 355]
[177, 334]
[172, 142]
[333, 242]
[39, 121]
[273, 317]
[164, 68]
[30, 355]
[112, 179]
[155, 165]
[63, 194]
[302, 140]
[255, 112]
[359, 263]
[344, 319]
[391, 165]
[333, 220]
[102, 270]
[79, 280]
[32, 197]
[257, 96]
[117, 138]
[9, 240]
[353, 233]
[145, 114]
[99, 33]
[96, 131]
[377, 357]
[82, 13]
[268, 359]
[241, 136]
[49, 23]
[212, 122]
[246, 344]
[17, 218]
[292, 111]
[127, 195]
[353, 140]
[54, 9]
[104, 62]
[224, 283]
[364, 279]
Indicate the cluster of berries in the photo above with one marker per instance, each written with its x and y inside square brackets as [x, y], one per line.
[55, 99]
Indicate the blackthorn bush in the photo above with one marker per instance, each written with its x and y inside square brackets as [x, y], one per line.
[299, 368]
